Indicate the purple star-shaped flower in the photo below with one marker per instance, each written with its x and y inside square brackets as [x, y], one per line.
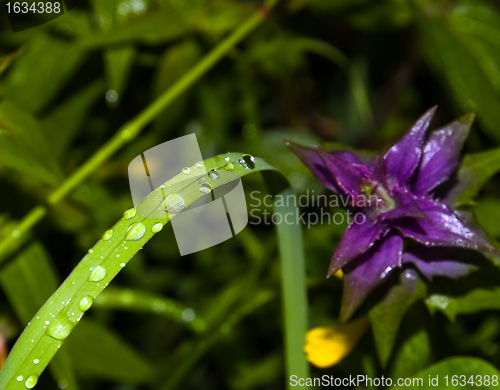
[393, 192]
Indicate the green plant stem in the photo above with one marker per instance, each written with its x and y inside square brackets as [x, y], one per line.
[132, 128]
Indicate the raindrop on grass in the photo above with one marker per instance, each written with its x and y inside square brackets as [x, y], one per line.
[136, 232]
[98, 274]
[20, 378]
[174, 203]
[157, 228]
[199, 164]
[107, 235]
[31, 381]
[36, 361]
[205, 188]
[85, 303]
[247, 161]
[214, 174]
[129, 213]
[186, 170]
[60, 328]
[229, 167]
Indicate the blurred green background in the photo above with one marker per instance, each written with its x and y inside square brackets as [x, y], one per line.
[356, 72]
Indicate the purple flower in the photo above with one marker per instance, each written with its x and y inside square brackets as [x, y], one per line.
[394, 192]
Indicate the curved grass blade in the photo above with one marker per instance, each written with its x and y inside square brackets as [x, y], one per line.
[147, 302]
[56, 319]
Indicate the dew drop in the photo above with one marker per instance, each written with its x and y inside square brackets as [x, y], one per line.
[247, 161]
[157, 227]
[60, 328]
[98, 274]
[36, 361]
[174, 203]
[229, 167]
[107, 235]
[136, 232]
[85, 303]
[16, 234]
[90, 251]
[186, 170]
[20, 378]
[214, 174]
[227, 158]
[205, 188]
[31, 381]
[122, 265]
[199, 164]
[129, 213]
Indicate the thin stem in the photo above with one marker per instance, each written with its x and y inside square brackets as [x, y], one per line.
[132, 128]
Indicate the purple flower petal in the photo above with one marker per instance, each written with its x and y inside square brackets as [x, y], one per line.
[347, 173]
[437, 262]
[442, 228]
[356, 239]
[406, 206]
[402, 158]
[369, 270]
[311, 158]
[441, 153]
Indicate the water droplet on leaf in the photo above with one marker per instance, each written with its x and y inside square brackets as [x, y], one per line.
[247, 161]
[85, 303]
[36, 361]
[60, 328]
[31, 381]
[186, 170]
[136, 232]
[98, 274]
[214, 174]
[20, 378]
[107, 235]
[129, 213]
[174, 203]
[157, 227]
[205, 188]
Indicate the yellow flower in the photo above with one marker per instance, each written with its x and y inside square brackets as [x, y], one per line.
[339, 274]
[326, 346]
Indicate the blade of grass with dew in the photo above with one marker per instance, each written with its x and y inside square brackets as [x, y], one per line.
[56, 319]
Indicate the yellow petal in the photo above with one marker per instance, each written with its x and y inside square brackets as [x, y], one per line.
[339, 274]
[326, 346]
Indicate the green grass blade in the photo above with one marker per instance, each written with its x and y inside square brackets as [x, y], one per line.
[56, 319]
[293, 284]
[147, 302]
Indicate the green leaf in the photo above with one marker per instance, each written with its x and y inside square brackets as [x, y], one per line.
[97, 352]
[23, 145]
[28, 281]
[387, 315]
[472, 175]
[41, 72]
[413, 350]
[64, 122]
[467, 366]
[6, 60]
[477, 292]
